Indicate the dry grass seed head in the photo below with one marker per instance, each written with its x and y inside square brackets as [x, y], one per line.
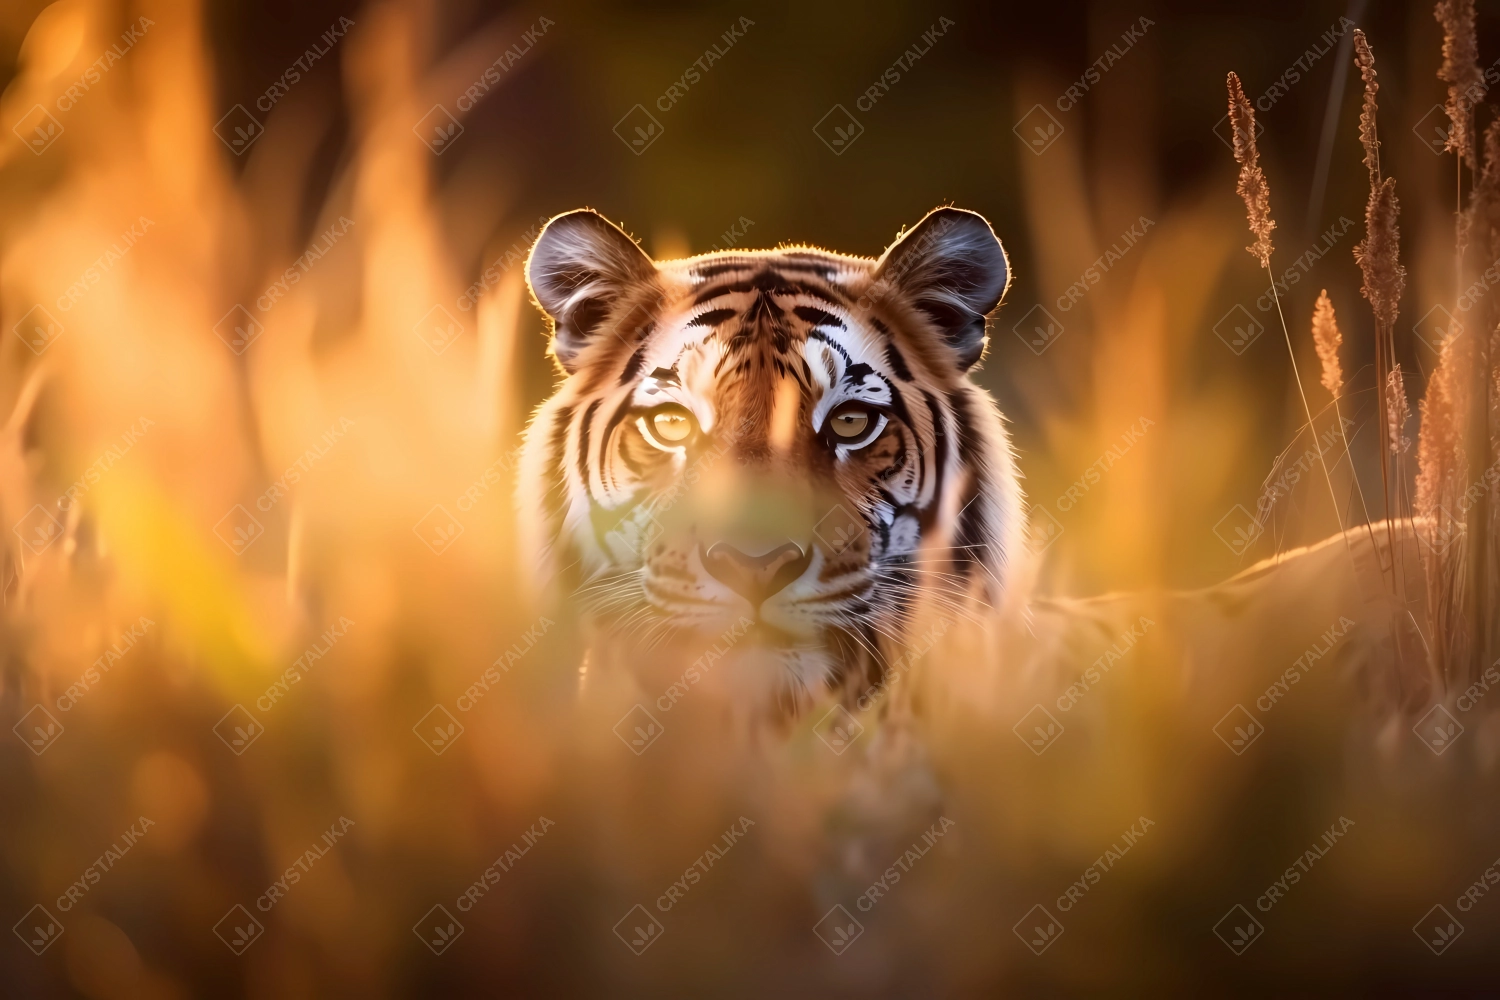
[1252, 185]
[1397, 410]
[1440, 454]
[1365, 60]
[1379, 254]
[1327, 338]
[1461, 72]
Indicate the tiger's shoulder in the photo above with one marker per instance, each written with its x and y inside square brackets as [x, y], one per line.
[1353, 604]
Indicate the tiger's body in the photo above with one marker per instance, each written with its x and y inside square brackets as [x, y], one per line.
[787, 437]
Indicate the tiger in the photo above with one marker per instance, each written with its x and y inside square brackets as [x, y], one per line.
[782, 445]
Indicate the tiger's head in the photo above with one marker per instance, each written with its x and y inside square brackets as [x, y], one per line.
[787, 437]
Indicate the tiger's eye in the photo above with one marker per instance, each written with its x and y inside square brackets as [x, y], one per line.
[672, 426]
[850, 424]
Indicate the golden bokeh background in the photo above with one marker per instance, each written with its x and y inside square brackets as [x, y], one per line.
[326, 493]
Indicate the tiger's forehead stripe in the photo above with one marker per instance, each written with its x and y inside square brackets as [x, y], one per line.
[757, 321]
[751, 323]
[778, 277]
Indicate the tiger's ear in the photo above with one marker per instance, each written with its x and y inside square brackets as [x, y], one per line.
[951, 267]
[579, 268]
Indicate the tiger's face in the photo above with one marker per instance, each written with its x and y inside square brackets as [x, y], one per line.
[784, 438]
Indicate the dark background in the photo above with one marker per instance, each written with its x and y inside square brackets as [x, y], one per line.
[739, 145]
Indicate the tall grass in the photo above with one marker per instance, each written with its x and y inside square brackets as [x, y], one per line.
[1459, 436]
[1455, 506]
[1256, 192]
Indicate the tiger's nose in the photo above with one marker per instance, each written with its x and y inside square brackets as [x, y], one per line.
[756, 577]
